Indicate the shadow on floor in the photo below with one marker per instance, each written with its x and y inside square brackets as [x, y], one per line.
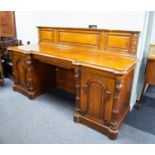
[144, 118]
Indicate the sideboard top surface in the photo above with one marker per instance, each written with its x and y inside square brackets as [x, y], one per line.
[80, 56]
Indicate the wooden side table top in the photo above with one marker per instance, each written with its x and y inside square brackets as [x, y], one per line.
[151, 55]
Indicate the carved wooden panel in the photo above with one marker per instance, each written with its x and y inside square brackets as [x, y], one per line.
[83, 38]
[46, 35]
[96, 95]
[95, 106]
[19, 71]
[118, 42]
[23, 71]
[7, 24]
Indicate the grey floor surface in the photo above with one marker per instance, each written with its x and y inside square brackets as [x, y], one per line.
[144, 119]
[49, 119]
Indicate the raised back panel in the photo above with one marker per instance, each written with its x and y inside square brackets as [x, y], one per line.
[46, 35]
[117, 41]
[122, 42]
[82, 38]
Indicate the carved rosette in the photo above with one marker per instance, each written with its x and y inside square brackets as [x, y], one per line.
[29, 71]
[77, 80]
[118, 86]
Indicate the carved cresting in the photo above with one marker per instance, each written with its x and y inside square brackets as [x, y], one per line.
[29, 71]
[77, 80]
[118, 86]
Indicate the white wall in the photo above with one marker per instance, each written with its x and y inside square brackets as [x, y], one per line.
[27, 21]
[152, 39]
[26, 26]
[148, 36]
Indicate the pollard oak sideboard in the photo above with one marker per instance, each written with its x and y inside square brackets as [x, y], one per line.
[95, 64]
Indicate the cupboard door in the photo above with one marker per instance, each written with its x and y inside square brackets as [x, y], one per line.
[23, 71]
[7, 24]
[96, 96]
[19, 70]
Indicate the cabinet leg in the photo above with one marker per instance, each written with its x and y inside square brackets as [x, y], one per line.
[76, 117]
[1, 74]
[112, 134]
[138, 104]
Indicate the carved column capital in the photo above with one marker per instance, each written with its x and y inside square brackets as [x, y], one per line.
[119, 84]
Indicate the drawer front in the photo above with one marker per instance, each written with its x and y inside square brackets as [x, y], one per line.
[54, 61]
[82, 38]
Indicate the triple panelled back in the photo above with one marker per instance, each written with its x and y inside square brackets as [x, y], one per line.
[122, 42]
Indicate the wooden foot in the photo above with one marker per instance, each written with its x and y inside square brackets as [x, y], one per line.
[138, 104]
[106, 130]
[30, 94]
[112, 134]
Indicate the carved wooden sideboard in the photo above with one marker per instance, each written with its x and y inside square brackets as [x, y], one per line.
[95, 64]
